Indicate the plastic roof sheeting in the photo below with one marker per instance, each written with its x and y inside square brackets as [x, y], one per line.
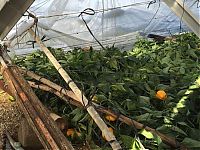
[115, 22]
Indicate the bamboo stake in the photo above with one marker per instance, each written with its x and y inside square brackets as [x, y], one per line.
[50, 88]
[59, 94]
[47, 82]
[81, 97]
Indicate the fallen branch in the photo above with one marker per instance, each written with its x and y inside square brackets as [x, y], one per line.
[52, 87]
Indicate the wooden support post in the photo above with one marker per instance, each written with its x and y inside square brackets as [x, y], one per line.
[81, 97]
[59, 138]
[24, 105]
[37, 116]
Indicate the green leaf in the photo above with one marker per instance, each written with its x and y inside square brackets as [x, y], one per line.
[182, 70]
[144, 117]
[166, 70]
[191, 143]
[147, 134]
[11, 98]
[167, 128]
[177, 129]
[1, 77]
[183, 124]
[147, 109]
[194, 133]
[78, 115]
[165, 60]
[162, 87]
[181, 92]
[113, 63]
[137, 145]
[157, 139]
[118, 86]
[130, 105]
[192, 53]
[144, 100]
[127, 140]
[85, 118]
[62, 61]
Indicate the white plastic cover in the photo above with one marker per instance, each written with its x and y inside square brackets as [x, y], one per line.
[115, 22]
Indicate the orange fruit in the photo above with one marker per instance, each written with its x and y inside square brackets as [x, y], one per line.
[110, 118]
[161, 94]
[111, 130]
[73, 133]
[70, 132]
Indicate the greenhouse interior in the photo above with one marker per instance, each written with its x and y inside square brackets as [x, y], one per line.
[100, 74]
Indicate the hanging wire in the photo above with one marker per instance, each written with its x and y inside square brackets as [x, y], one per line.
[181, 19]
[97, 10]
[153, 2]
[102, 19]
[198, 3]
[150, 3]
[89, 11]
[17, 36]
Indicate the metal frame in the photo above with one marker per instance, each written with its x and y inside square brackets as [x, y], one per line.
[11, 11]
[192, 21]
[3, 2]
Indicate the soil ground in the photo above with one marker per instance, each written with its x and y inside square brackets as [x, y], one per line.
[10, 116]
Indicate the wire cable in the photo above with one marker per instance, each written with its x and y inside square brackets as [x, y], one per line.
[92, 12]
[181, 19]
[153, 2]
[97, 10]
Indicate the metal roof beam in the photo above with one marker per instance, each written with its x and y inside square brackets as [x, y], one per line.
[182, 11]
[11, 11]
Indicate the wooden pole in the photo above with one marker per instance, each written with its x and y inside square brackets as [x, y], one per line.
[37, 116]
[55, 132]
[59, 94]
[26, 108]
[47, 82]
[81, 97]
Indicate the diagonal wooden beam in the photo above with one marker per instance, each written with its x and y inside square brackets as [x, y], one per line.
[79, 94]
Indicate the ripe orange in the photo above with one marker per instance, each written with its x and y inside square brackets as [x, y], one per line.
[110, 118]
[111, 130]
[70, 132]
[161, 94]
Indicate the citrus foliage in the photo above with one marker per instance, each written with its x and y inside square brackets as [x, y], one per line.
[127, 82]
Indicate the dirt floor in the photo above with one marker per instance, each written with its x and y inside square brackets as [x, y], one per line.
[9, 115]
